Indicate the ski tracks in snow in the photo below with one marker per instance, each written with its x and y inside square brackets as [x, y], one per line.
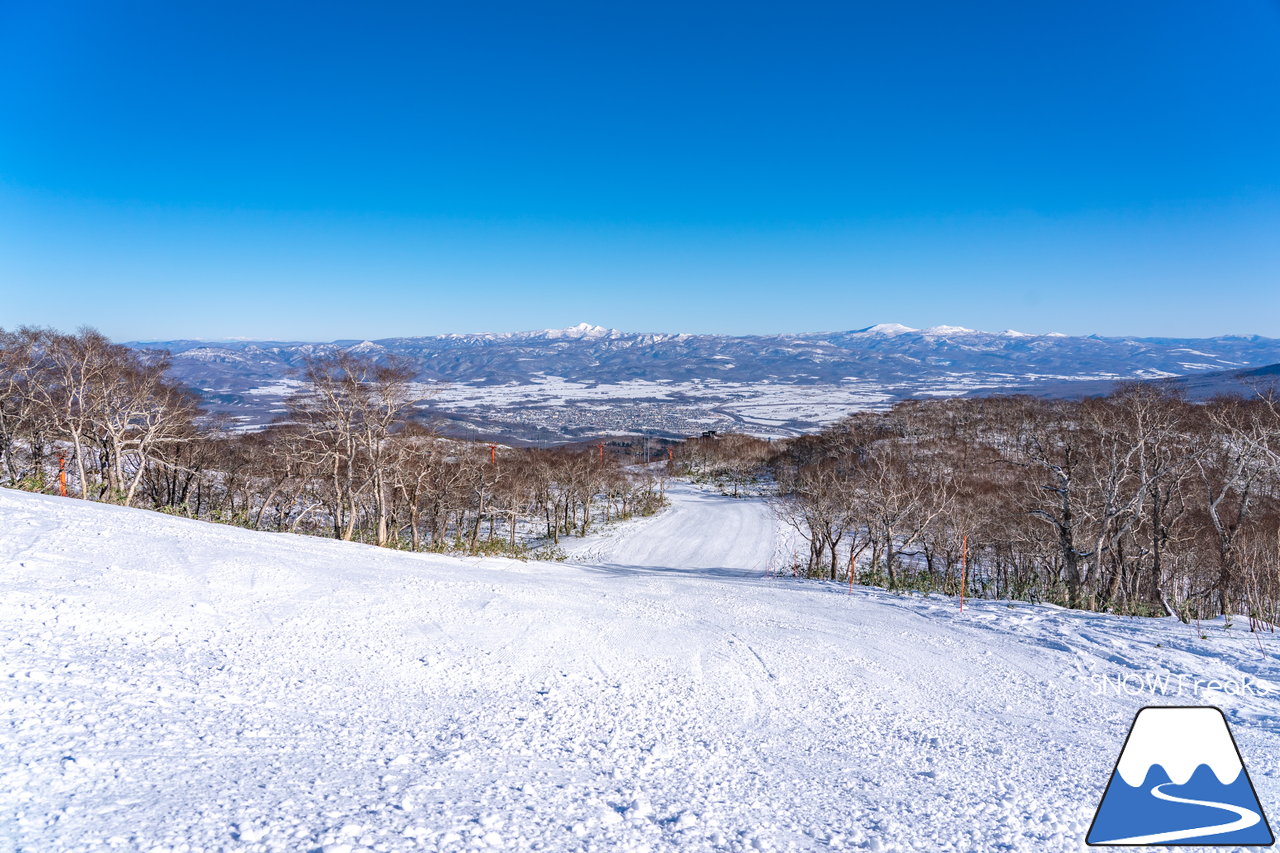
[174, 683]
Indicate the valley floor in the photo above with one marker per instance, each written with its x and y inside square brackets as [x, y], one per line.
[176, 685]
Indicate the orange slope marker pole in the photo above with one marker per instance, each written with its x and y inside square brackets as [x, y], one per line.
[493, 454]
[964, 567]
[62, 476]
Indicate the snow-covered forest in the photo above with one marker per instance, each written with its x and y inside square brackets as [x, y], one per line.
[104, 422]
[1137, 502]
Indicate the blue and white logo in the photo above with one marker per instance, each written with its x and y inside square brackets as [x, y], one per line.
[1180, 780]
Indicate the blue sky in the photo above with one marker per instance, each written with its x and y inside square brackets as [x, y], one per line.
[319, 171]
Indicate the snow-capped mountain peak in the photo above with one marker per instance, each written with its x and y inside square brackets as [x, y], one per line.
[581, 330]
[1179, 740]
[887, 329]
[949, 330]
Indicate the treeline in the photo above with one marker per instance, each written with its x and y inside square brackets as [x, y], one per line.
[1138, 502]
[347, 460]
[732, 461]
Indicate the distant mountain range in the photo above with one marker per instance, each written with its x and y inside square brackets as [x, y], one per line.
[881, 363]
[1194, 386]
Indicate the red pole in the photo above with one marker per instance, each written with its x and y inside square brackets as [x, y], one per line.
[493, 454]
[601, 446]
[62, 476]
[670, 456]
[964, 567]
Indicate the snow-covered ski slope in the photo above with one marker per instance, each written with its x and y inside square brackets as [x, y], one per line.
[705, 534]
[175, 685]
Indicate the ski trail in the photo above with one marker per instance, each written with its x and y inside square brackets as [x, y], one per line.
[657, 697]
[1246, 819]
[700, 533]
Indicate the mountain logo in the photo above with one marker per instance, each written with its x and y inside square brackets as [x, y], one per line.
[1180, 780]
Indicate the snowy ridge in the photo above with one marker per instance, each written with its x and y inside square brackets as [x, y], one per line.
[710, 380]
[888, 329]
[1179, 740]
[578, 332]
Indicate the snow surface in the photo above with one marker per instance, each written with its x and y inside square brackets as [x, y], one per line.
[176, 685]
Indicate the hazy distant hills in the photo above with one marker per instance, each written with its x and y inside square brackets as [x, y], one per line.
[592, 365]
[887, 353]
[1194, 386]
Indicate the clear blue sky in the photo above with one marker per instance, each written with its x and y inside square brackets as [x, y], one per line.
[324, 170]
